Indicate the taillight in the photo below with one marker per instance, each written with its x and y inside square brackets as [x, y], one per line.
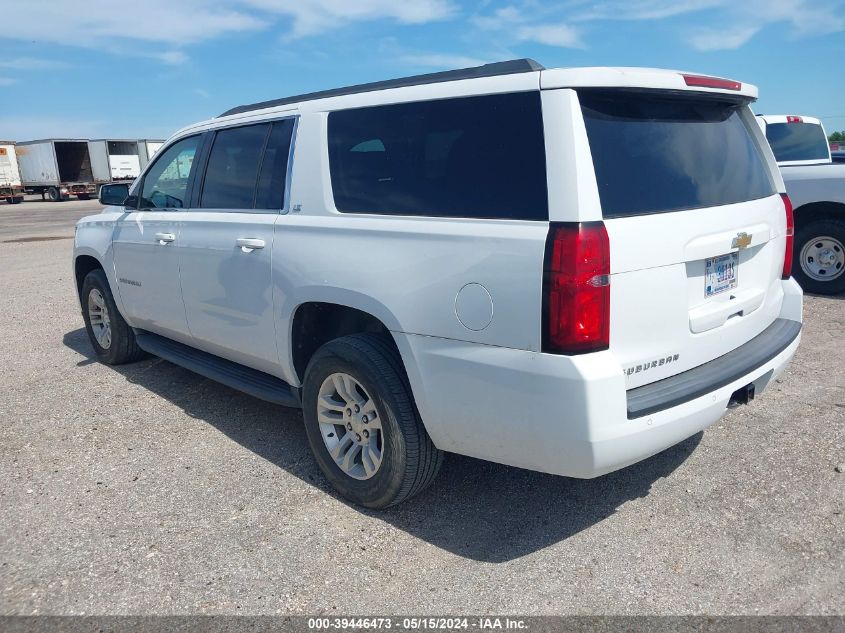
[790, 233]
[576, 289]
[794, 119]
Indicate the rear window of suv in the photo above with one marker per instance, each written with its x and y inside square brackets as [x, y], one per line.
[797, 141]
[472, 157]
[655, 154]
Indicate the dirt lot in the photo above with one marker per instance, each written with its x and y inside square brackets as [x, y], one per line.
[147, 489]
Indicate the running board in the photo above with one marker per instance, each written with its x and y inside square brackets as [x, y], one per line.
[251, 381]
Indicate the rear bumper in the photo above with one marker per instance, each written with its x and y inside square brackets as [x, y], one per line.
[568, 415]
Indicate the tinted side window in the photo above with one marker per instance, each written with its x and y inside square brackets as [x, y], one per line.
[797, 141]
[475, 157]
[655, 153]
[166, 182]
[274, 167]
[232, 171]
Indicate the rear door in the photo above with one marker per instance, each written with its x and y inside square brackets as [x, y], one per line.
[695, 223]
[226, 243]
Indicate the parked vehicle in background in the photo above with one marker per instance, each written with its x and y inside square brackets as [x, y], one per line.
[146, 149]
[497, 261]
[11, 188]
[57, 168]
[816, 187]
[837, 152]
[114, 160]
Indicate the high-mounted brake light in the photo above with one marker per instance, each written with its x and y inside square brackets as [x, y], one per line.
[790, 239]
[794, 119]
[711, 82]
[576, 289]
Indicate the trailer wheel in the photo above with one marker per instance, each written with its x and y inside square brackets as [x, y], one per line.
[82, 196]
[15, 199]
[53, 194]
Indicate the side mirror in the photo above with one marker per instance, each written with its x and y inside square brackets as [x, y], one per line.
[114, 194]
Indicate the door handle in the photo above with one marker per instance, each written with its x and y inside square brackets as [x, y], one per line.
[165, 238]
[249, 244]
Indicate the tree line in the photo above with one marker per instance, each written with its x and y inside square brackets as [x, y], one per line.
[837, 137]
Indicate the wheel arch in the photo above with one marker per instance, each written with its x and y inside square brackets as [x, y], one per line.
[82, 265]
[315, 323]
[818, 210]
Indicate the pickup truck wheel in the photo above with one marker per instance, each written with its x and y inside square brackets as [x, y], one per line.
[111, 337]
[362, 424]
[820, 255]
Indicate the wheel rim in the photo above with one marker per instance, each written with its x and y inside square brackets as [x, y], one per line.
[98, 317]
[823, 258]
[350, 426]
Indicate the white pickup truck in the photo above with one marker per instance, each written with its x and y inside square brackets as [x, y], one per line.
[816, 187]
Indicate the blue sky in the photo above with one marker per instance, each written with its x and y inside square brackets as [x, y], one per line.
[142, 69]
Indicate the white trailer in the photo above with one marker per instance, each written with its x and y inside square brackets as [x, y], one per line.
[11, 188]
[57, 168]
[146, 149]
[114, 159]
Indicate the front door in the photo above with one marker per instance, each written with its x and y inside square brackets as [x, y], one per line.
[146, 241]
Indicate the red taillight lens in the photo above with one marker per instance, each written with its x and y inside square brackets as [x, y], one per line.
[698, 81]
[790, 232]
[794, 119]
[576, 289]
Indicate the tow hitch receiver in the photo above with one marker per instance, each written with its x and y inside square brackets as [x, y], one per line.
[743, 395]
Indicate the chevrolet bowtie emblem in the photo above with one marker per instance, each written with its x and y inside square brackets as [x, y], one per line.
[742, 240]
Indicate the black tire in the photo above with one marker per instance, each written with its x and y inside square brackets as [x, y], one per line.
[808, 234]
[15, 200]
[123, 347]
[410, 461]
[53, 194]
[83, 196]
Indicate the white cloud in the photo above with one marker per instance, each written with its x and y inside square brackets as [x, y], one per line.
[32, 63]
[551, 35]
[722, 39]
[7, 81]
[315, 16]
[529, 25]
[644, 9]
[441, 61]
[172, 58]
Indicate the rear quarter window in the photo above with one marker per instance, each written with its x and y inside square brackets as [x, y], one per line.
[473, 157]
[655, 154]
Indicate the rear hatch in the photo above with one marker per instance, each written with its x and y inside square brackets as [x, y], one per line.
[695, 224]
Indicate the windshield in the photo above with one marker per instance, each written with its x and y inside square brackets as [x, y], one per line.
[656, 153]
[797, 141]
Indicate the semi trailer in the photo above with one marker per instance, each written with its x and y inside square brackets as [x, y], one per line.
[11, 188]
[57, 168]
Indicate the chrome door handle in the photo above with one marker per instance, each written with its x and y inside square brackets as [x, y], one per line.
[249, 244]
[165, 238]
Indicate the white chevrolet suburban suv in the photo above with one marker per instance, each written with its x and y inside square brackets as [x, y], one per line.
[561, 270]
[816, 187]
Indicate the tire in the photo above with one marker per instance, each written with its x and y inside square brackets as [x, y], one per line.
[15, 200]
[121, 347]
[824, 238]
[53, 194]
[83, 196]
[409, 461]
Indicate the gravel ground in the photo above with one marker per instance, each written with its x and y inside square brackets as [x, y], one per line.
[147, 489]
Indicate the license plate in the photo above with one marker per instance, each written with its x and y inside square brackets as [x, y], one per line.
[720, 273]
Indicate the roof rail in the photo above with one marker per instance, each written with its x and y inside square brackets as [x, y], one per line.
[511, 67]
